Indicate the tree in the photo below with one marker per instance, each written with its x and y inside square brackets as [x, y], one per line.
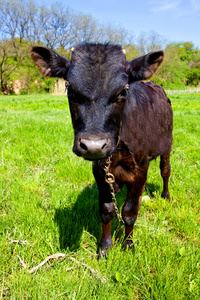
[17, 18]
[24, 23]
[115, 35]
[131, 51]
[150, 41]
[193, 77]
[172, 73]
[85, 29]
[56, 26]
[10, 59]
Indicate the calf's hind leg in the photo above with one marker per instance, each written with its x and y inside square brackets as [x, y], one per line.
[165, 169]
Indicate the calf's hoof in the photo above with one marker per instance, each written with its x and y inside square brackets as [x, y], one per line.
[128, 244]
[103, 251]
[166, 195]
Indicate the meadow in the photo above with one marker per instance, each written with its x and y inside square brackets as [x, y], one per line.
[49, 205]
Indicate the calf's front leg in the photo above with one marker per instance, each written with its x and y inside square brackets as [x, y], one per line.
[106, 209]
[132, 204]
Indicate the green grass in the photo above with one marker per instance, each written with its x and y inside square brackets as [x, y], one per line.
[48, 198]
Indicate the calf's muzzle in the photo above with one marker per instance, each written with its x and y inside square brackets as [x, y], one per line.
[94, 147]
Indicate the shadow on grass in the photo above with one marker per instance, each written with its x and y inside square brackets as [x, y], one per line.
[84, 215]
[150, 188]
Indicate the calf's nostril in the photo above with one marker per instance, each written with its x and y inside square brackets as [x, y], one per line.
[83, 146]
[104, 146]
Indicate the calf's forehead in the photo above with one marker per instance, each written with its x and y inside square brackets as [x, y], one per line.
[96, 68]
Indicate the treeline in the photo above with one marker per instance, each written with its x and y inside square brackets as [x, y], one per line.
[24, 23]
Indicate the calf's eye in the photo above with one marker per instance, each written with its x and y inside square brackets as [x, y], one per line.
[123, 93]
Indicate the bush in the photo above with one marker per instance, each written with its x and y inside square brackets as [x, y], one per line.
[193, 77]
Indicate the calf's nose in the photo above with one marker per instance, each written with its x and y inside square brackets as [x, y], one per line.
[94, 148]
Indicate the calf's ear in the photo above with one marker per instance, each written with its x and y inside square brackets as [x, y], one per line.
[144, 67]
[50, 63]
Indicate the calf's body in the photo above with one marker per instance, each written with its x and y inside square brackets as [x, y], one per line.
[116, 115]
[146, 134]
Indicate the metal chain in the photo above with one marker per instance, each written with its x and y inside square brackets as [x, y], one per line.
[110, 179]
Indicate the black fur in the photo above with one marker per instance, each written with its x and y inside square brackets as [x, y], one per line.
[134, 126]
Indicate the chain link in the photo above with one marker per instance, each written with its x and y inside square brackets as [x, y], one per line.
[110, 179]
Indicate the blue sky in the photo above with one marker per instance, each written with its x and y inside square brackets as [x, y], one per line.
[176, 20]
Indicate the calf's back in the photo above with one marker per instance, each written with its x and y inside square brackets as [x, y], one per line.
[147, 120]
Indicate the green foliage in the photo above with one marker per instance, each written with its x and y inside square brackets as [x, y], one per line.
[179, 69]
[25, 23]
[131, 52]
[176, 66]
[49, 201]
[193, 77]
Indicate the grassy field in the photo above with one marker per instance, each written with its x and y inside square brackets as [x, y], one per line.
[49, 205]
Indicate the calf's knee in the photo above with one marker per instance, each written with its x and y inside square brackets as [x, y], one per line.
[128, 214]
[107, 212]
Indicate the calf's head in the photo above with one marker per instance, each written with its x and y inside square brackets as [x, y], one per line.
[97, 78]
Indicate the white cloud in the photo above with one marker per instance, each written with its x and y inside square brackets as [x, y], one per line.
[167, 5]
